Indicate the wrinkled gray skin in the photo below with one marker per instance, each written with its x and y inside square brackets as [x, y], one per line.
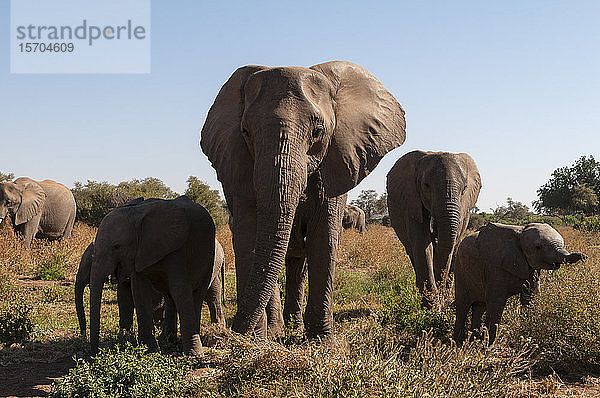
[430, 195]
[167, 245]
[45, 209]
[354, 217]
[287, 144]
[493, 263]
[163, 314]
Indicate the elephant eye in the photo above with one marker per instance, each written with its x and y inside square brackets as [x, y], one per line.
[245, 133]
[538, 247]
[116, 246]
[318, 131]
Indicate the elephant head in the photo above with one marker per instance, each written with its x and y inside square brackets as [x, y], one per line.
[448, 185]
[270, 128]
[544, 247]
[24, 198]
[129, 240]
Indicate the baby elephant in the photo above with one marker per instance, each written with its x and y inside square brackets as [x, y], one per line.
[493, 263]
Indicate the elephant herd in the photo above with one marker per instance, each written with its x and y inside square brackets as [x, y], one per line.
[287, 144]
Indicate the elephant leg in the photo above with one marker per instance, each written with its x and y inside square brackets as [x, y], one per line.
[188, 305]
[275, 315]
[462, 309]
[213, 300]
[169, 323]
[295, 276]
[125, 302]
[322, 238]
[142, 297]
[30, 228]
[69, 227]
[477, 318]
[493, 317]
[421, 255]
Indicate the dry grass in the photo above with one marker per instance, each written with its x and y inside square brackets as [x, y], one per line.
[382, 345]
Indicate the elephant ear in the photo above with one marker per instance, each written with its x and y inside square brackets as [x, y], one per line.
[369, 123]
[501, 244]
[162, 227]
[402, 187]
[473, 180]
[33, 198]
[221, 137]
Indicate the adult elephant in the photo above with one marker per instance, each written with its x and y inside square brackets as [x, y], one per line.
[45, 209]
[167, 245]
[354, 217]
[287, 144]
[430, 195]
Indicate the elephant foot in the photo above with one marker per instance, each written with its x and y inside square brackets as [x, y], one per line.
[193, 347]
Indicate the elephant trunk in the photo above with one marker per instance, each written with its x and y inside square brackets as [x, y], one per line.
[81, 281]
[96, 284]
[280, 174]
[448, 225]
[80, 284]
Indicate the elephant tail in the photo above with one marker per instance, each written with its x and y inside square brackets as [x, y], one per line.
[223, 282]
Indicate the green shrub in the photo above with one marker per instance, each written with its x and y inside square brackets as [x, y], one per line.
[15, 324]
[52, 268]
[127, 372]
[564, 320]
[52, 294]
[404, 310]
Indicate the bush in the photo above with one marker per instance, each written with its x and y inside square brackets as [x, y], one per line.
[403, 309]
[200, 192]
[126, 372]
[96, 199]
[15, 324]
[52, 268]
[564, 321]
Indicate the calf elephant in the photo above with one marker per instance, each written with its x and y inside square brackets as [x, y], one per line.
[164, 314]
[287, 144]
[354, 217]
[492, 265]
[167, 245]
[430, 195]
[45, 209]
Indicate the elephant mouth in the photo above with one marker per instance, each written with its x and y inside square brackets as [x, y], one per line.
[555, 266]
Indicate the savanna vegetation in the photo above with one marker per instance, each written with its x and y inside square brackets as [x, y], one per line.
[384, 343]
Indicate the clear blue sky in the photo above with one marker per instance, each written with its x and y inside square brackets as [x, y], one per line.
[515, 84]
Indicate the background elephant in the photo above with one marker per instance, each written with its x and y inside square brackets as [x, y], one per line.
[167, 245]
[430, 195]
[492, 264]
[354, 217]
[41, 208]
[287, 144]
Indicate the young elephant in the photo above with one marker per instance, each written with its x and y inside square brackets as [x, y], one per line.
[492, 265]
[167, 245]
[164, 311]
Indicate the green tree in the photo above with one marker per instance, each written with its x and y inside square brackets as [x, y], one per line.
[200, 192]
[512, 211]
[374, 206]
[96, 199]
[6, 177]
[572, 189]
[149, 187]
